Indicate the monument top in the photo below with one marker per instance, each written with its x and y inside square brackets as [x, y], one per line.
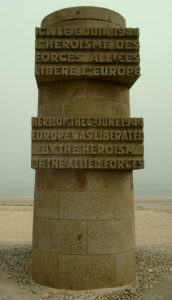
[83, 13]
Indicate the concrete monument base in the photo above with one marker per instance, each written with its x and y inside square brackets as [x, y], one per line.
[83, 229]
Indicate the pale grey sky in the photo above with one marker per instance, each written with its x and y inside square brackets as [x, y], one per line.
[151, 95]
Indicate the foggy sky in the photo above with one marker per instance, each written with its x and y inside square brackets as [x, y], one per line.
[150, 96]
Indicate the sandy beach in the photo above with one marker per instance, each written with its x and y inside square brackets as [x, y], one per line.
[153, 223]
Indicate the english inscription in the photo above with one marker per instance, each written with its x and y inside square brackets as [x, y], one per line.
[87, 142]
[87, 163]
[87, 135]
[91, 149]
[60, 121]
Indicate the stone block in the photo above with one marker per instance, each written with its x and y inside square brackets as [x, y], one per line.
[35, 231]
[107, 91]
[62, 236]
[46, 204]
[108, 180]
[97, 108]
[126, 267]
[86, 205]
[109, 237]
[45, 267]
[49, 109]
[131, 181]
[57, 91]
[85, 89]
[120, 110]
[86, 271]
[56, 180]
[124, 204]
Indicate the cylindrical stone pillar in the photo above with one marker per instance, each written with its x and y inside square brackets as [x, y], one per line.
[83, 233]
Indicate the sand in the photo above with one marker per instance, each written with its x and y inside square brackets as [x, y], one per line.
[153, 221]
[16, 224]
[153, 226]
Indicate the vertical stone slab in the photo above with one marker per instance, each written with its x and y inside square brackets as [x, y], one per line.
[85, 147]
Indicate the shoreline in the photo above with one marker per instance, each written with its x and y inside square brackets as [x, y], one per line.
[138, 201]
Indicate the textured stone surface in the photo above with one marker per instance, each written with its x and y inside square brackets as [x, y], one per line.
[35, 232]
[96, 205]
[124, 204]
[52, 180]
[108, 237]
[85, 89]
[76, 271]
[45, 268]
[125, 268]
[46, 204]
[53, 108]
[111, 181]
[96, 107]
[62, 236]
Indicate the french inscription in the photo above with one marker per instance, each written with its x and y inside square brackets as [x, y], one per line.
[65, 53]
[90, 44]
[87, 31]
[96, 71]
[86, 57]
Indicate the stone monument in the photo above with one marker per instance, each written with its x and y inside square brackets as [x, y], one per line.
[85, 147]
